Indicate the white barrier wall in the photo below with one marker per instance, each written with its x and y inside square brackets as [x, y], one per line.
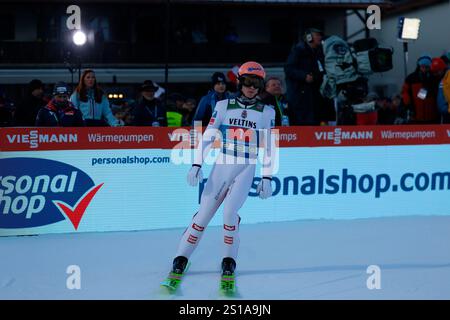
[53, 191]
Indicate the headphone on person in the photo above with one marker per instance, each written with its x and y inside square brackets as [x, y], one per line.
[308, 36]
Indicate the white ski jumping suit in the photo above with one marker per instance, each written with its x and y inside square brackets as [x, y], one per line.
[242, 127]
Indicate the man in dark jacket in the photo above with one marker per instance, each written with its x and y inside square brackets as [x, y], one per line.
[60, 112]
[27, 110]
[273, 95]
[419, 94]
[149, 111]
[304, 73]
[208, 102]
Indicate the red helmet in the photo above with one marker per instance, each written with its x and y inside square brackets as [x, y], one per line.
[437, 64]
[252, 68]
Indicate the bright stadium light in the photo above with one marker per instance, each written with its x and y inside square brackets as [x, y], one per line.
[79, 38]
[409, 28]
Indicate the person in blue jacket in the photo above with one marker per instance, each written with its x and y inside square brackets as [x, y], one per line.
[441, 70]
[59, 112]
[208, 102]
[93, 103]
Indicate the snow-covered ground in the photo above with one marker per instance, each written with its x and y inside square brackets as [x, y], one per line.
[321, 259]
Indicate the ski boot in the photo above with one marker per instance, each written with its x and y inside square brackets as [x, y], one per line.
[179, 264]
[173, 280]
[227, 281]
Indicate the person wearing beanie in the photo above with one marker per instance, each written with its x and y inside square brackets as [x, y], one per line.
[438, 67]
[424, 61]
[27, 110]
[60, 112]
[208, 102]
[419, 94]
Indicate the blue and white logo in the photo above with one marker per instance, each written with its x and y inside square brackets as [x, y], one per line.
[36, 192]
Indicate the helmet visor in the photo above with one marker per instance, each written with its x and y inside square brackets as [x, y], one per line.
[254, 82]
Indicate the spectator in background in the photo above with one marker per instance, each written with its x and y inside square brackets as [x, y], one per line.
[60, 112]
[119, 112]
[149, 111]
[397, 105]
[128, 119]
[188, 110]
[273, 95]
[438, 69]
[208, 102]
[92, 102]
[419, 94]
[304, 73]
[174, 109]
[27, 109]
[443, 72]
[121, 108]
[446, 59]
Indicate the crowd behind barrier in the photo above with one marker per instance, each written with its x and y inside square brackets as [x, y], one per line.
[424, 98]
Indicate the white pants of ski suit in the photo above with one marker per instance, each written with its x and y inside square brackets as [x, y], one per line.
[228, 183]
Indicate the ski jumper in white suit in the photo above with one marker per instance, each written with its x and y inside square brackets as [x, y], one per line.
[241, 126]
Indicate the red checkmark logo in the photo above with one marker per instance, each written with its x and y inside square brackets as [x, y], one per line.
[76, 212]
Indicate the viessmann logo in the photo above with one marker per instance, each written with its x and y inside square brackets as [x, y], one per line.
[34, 138]
[36, 192]
[183, 135]
[338, 135]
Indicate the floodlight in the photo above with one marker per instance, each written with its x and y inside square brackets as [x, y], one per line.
[79, 38]
[409, 28]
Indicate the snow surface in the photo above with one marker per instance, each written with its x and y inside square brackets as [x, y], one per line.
[320, 259]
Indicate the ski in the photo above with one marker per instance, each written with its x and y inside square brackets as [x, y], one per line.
[173, 280]
[228, 285]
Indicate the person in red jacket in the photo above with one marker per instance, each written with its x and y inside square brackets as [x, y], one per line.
[419, 94]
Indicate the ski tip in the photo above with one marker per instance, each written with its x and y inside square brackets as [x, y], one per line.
[168, 289]
[227, 285]
[227, 293]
